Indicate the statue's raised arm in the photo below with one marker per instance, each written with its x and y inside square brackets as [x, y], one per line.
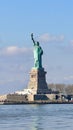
[32, 38]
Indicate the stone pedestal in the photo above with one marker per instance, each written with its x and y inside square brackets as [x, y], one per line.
[38, 81]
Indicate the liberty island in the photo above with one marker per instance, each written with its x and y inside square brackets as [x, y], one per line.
[37, 90]
[37, 87]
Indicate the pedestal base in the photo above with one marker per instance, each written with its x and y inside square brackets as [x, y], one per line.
[38, 81]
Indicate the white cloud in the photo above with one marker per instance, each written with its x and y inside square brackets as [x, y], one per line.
[71, 42]
[51, 38]
[13, 50]
[68, 77]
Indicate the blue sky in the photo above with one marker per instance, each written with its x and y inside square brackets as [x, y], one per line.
[51, 21]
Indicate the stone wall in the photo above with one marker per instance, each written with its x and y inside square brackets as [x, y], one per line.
[17, 98]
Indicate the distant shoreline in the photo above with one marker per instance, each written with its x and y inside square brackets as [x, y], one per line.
[37, 102]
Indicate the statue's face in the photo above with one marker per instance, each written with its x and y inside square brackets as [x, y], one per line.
[37, 43]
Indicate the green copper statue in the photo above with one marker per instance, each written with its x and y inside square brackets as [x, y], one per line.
[38, 52]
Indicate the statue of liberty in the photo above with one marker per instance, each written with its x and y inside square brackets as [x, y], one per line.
[38, 52]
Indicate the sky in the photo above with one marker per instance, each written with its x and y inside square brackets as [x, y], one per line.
[51, 22]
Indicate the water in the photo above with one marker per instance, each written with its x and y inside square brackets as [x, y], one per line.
[36, 117]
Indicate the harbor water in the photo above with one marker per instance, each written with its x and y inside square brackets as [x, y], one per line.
[36, 117]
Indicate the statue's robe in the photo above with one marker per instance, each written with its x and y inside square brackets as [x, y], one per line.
[38, 56]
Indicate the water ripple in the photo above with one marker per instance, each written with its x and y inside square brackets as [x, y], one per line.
[36, 117]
